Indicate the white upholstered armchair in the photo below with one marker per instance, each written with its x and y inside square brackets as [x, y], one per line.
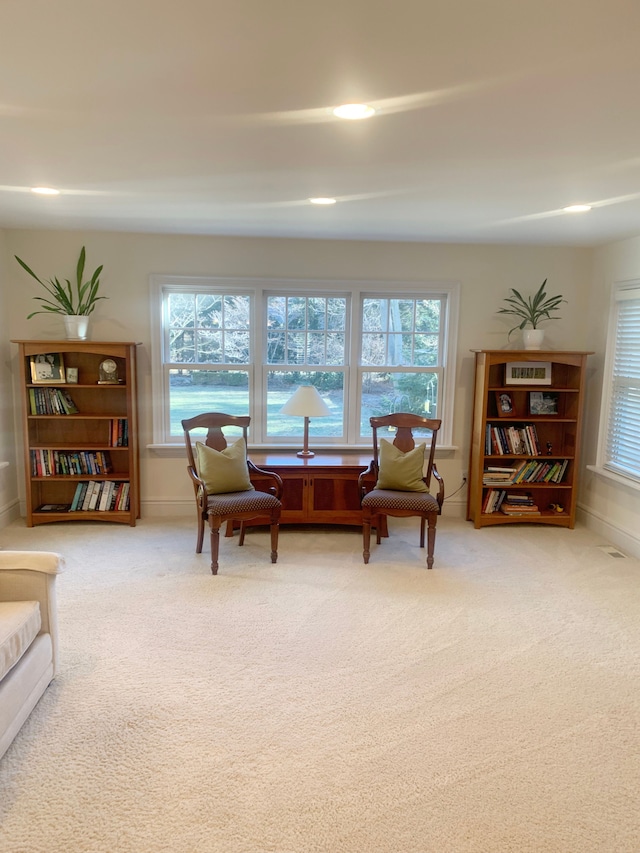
[28, 635]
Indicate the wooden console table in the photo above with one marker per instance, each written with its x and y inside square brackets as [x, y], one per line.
[319, 490]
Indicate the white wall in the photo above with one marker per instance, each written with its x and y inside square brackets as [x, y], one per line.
[486, 273]
[606, 506]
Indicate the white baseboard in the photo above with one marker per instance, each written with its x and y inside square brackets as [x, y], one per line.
[166, 508]
[455, 509]
[9, 512]
[625, 540]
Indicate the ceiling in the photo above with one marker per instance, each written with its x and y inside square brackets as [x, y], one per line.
[210, 117]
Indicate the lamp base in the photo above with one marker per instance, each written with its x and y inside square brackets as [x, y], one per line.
[305, 454]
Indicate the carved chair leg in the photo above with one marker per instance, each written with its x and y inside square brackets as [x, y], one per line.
[214, 525]
[366, 534]
[431, 539]
[422, 532]
[378, 523]
[200, 538]
[275, 528]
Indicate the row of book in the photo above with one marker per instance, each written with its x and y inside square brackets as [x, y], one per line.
[48, 463]
[51, 401]
[499, 500]
[501, 440]
[101, 496]
[533, 471]
[119, 432]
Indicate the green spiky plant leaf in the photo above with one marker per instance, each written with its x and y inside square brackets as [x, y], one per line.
[80, 298]
[532, 309]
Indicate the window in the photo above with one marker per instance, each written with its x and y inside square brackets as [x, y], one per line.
[243, 346]
[306, 339]
[619, 450]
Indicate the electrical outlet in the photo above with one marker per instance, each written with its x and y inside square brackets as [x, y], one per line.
[465, 476]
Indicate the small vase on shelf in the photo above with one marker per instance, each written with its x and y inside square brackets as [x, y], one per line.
[76, 326]
[533, 338]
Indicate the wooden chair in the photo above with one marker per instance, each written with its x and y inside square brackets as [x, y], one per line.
[377, 503]
[230, 506]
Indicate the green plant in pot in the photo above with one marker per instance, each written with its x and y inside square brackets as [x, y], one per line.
[75, 302]
[531, 311]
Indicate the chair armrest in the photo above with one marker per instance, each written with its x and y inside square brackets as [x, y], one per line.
[197, 482]
[30, 576]
[440, 496]
[202, 496]
[368, 479]
[262, 473]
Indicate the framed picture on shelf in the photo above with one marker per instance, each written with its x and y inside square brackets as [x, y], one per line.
[527, 373]
[72, 375]
[504, 404]
[543, 403]
[47, 368]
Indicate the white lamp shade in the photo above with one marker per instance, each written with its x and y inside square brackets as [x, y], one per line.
[306, 403]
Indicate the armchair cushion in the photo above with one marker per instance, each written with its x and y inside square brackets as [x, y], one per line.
[400, 471]
[224, 470]
[19, 626]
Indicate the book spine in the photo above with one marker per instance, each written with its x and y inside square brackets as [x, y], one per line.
[87, 495]
[76, 498]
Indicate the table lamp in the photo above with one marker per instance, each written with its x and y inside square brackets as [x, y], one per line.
[305, 402]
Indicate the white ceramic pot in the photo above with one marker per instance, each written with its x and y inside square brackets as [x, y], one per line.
[533, 338]
[76, 326]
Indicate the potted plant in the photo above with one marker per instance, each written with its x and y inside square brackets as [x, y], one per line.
[531, 311]
[75, 302]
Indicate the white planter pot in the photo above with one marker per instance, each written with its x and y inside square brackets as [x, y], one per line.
[76, 326]
[533, 338]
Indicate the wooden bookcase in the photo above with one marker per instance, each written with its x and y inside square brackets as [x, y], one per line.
[97, 444]
[534, 425]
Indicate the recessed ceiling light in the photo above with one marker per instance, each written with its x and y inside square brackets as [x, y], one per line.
[577, 208]
[322, 200]
[45, 191]
[354, 111]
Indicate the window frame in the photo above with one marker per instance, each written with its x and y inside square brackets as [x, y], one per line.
[622, 291]
[259, 289]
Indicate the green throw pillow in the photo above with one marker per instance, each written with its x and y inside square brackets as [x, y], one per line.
[226, 470]
[400, 471]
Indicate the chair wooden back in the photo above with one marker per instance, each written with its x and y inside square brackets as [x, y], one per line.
[404, 424]
[214, 423]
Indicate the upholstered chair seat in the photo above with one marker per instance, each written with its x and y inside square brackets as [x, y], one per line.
[236, 502]
[379, 499]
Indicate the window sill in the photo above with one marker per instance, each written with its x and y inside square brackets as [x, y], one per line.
[617, 478]
[177, 451]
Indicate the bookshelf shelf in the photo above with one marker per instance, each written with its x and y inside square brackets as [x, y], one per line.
[79, 434]
[530, 435]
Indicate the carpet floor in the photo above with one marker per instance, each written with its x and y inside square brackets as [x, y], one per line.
[490, 705]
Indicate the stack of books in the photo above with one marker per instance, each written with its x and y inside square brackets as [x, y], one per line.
[519, 505]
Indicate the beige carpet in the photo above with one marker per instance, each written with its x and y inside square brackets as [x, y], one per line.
[320, 705]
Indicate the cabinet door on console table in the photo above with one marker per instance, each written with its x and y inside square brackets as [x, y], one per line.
[320, 490]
